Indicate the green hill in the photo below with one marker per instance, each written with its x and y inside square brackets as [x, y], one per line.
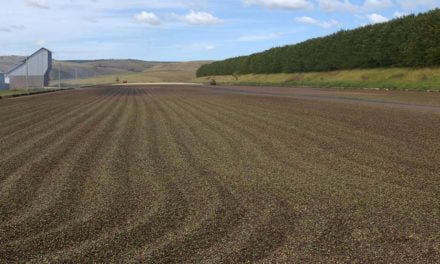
[8, 62]
[86, 68]
[162, 72]
[411, 41]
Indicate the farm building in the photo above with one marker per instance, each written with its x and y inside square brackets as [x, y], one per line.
[33, 72]
[2, 81]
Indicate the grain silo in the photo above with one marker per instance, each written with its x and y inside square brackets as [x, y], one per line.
[33, 72]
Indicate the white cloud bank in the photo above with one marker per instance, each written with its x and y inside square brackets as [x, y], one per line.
[40, 43]
[262, 37]
[281, 4]
[376, 18]
[200, 18]
[316, 22]
[378, 4]
[42, 4]
[148, 18]
[338, 6]
[410, 4]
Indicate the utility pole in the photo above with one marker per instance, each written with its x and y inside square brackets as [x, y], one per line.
[42, 74]
[76, 77]
[27, 75]
[59, 77]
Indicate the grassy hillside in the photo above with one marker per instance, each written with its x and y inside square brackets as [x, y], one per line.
[166, 72]
[7, 62]
[70, 69]
[127, 65]
[85, 68]
[390, 78]
[411, 41]
[92, 68]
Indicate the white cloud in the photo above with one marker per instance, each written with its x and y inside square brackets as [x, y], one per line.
[378, 4]
[338, 5]
[195, 47]
[376, 18]
[38, 4]
[200, 18]
[281, 4]
[348, 6]
[209, 47]
[316, 22]
[5, 29]
[148, 18]
[410, 4]
[252, 38]
[12, 28]
[107, 28]
[400, 14]
[41, 43]
[18, 27]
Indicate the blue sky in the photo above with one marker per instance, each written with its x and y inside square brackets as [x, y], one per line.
[182, 30]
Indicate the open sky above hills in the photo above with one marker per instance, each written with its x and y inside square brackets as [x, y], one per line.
[181, 30]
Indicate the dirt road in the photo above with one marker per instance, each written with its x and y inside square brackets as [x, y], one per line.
[170, 174]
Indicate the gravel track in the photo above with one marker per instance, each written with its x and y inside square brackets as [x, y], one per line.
[169, 174]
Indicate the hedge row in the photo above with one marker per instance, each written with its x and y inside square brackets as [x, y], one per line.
[411, 41]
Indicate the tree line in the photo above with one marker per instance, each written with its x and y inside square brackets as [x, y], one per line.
[410, 41]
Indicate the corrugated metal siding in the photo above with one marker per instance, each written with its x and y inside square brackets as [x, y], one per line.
[21, 82]
[2, 81]
[37, 68]
[37, 65]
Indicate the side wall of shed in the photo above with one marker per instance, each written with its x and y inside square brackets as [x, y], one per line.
[37, 65]
[36, 68]
[2, 81]
[21, 82]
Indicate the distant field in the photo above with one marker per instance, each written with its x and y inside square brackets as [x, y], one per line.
[172, 174]
[170, 72]
[394, 78]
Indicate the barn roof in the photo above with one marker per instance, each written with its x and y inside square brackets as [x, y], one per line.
[25, 60]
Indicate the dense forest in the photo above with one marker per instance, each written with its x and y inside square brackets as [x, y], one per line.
[410, 41]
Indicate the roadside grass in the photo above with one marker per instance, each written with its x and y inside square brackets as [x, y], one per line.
[427, 79]
[16, 92]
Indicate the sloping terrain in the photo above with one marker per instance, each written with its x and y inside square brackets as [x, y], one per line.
[169, 174]
[175, 72]
[169, 72]
[421, 79]
[85, 68]
[91, 72]
[90, 69]
[8, 62]
[127, 65]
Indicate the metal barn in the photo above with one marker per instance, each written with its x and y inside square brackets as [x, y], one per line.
[33, 72]
[2, 81]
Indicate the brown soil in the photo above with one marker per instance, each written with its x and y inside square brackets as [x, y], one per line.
[168, 174]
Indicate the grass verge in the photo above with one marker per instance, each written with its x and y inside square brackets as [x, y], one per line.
[20, 93]
[17, 92]
[427, 79]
